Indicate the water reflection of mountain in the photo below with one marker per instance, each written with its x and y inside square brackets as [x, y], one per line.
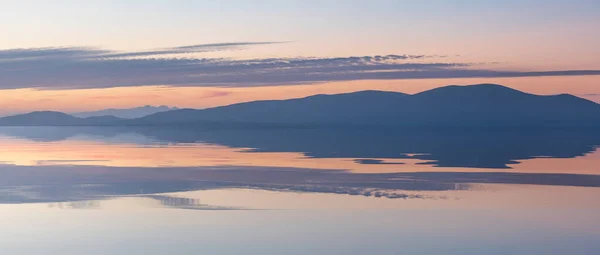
[491, 148]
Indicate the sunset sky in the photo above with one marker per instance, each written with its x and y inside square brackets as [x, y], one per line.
[84, 55]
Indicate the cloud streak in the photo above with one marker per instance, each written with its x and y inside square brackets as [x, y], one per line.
[82, 67]
[200, 48]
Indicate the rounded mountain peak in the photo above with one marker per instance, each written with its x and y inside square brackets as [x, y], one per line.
[482, 90]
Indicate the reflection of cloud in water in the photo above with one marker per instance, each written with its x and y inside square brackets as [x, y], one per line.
[30, 184]
[84, 204]
[185, 203]
[354, 191]
[164, 201]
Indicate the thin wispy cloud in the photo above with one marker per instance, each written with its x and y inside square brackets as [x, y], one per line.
[49, 53]
[83, 67]
[200, 48]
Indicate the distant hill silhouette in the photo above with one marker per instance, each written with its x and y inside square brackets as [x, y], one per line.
[483, 105]
[50, 118]
[128, 113]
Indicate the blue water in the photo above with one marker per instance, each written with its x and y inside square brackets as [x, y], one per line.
[132, 191]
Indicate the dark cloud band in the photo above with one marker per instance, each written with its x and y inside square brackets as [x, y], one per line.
[81, 67]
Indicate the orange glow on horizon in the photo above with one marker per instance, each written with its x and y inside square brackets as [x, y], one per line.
[26, 100]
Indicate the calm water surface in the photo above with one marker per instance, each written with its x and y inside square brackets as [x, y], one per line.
[298, 191]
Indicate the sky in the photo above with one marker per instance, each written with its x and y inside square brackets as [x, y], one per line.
[86, 55]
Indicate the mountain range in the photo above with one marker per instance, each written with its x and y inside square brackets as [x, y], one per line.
[127, 113]
[482, 105]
